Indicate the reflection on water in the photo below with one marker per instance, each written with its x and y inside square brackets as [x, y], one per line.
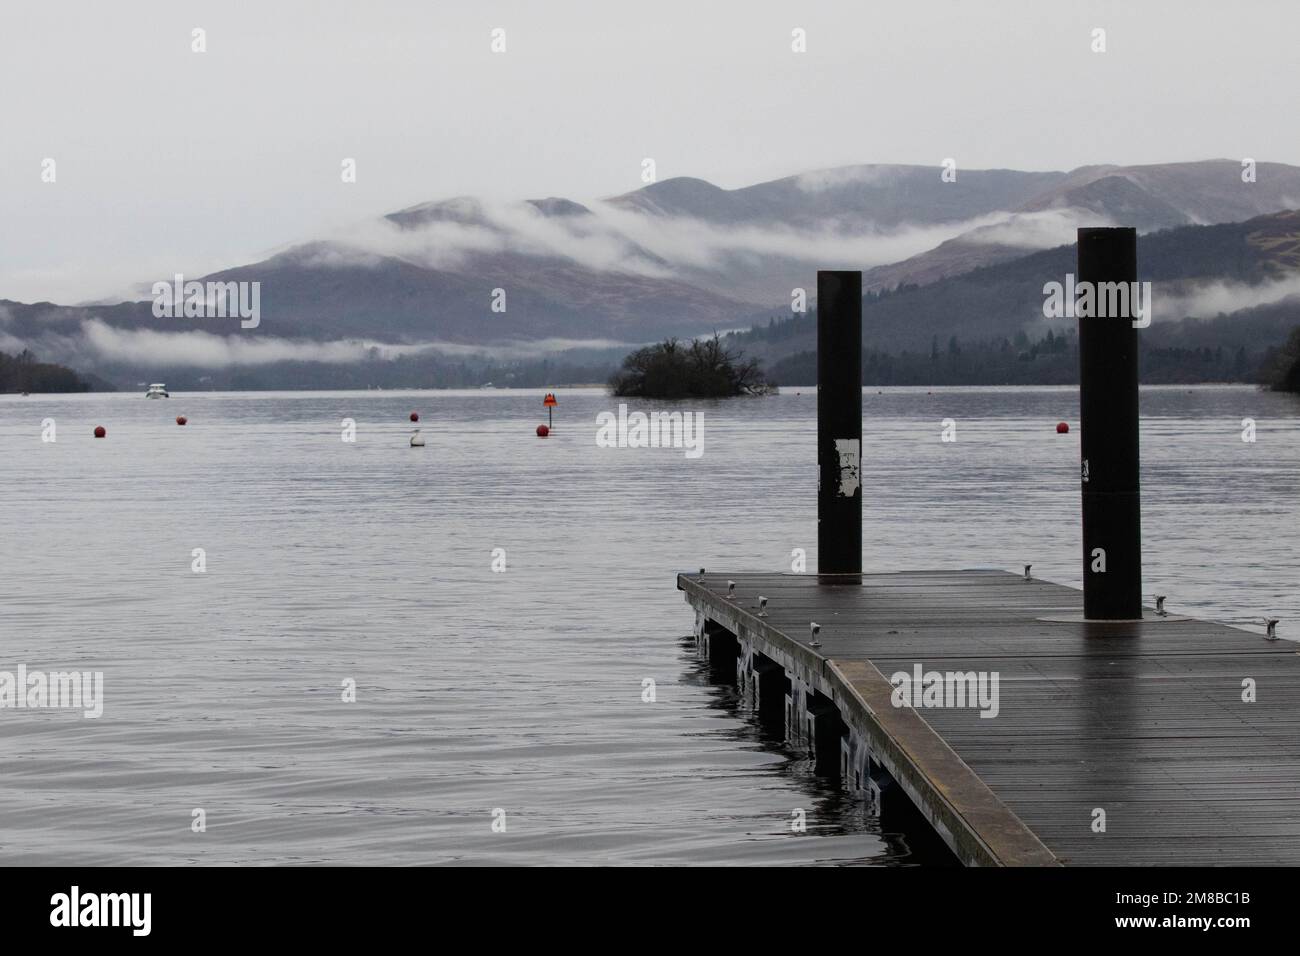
[519, 691]
[830, 810]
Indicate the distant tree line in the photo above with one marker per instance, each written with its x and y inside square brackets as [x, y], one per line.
[412, 370]
[22, 373]
[1052, 360]
[1282, 368]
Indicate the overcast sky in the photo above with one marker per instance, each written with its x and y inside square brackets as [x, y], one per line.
[169, 160]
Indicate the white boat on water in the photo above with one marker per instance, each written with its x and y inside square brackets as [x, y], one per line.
[157, 391]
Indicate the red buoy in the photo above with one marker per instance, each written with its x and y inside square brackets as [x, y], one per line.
[100, 431]
[542, 431]
[1062, 428]
[181, 419]
[415, 416]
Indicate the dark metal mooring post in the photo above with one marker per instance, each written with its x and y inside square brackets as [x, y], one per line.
[839, 422]
[1108, 419]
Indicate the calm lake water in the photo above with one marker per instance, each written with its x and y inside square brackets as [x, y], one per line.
[521, 691]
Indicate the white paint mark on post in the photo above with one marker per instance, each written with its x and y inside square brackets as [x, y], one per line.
[850, 452]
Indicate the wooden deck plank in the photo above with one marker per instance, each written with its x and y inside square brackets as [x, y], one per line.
[1142, 719]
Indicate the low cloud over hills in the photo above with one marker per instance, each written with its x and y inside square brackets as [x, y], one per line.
[679, 257]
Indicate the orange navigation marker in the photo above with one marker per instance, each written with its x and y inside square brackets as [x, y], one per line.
[550, 404]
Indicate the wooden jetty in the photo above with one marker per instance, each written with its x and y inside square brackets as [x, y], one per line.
[1049, 726]
[1144, 720]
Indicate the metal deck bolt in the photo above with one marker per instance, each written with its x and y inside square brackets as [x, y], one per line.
[816, 629]
[1027, 567]
[1271, 622]
[1160, 605]
[762, 606]
[731, 590]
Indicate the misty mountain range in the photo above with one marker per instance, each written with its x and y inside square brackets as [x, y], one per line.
[684, 257]
[1223, 297]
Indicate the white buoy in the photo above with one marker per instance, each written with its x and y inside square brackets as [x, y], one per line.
[417, 440]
